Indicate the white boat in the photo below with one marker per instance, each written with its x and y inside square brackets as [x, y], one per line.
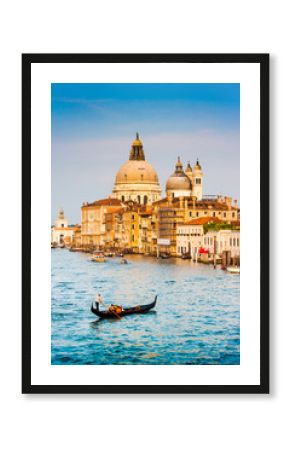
[232, 269]
[98, 257]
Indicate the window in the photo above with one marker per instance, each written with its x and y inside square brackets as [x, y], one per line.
[133, 227]
[190, 214]
[233, 214]
[234, 242]
[145, 199]
[62, 225]
[213, 214]
[225, 214]
[230, 241]
[133, 217]
[238, 242]
[139, 199]
[123, 198]
[197, 214]
[198, 180]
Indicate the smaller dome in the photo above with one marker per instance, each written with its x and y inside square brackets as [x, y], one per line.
[178, 180]
[188, 168]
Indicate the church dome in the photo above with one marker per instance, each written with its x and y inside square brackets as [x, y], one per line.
[136, 171]
[178, 180]
[137, 180]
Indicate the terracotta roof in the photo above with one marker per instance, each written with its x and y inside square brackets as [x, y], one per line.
[201, 204]
[203, 221]
[105, 202]
[115, 209]
[65, 228]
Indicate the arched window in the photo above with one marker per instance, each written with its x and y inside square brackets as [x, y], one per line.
[145, 199]
[139, 199]
[123, 198]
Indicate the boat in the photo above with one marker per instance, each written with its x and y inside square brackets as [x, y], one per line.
[185, 256]
[232, 269]
[164, 255]
[124, 261]
[139, 309]
[120, 255]
[98, 257]
[109, 254]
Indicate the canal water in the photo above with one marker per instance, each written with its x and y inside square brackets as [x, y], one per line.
[196, 319]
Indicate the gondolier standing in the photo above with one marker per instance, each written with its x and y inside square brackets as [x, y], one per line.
[99, 300]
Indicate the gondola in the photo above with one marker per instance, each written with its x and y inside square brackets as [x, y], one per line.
[139, 309]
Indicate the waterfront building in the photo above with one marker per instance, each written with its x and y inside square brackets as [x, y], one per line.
[113, 227]
[147, 239]
[137, 180]
[217, 242]
[210, 234]
[212, 206]
[62, 233]
[130, 221]
[93, 221]
[172, 211]
[169, 214]
[137, 219]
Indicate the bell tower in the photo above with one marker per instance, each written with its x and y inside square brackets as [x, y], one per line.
[61, 221]
[197, 181]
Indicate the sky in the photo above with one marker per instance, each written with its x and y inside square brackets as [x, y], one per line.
[93, 126]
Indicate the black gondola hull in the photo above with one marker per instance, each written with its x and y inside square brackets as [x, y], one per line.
[140, 309]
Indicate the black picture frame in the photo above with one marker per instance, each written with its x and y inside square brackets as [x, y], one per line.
[263, 61]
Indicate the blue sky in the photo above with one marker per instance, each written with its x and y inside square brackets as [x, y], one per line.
[93, 126]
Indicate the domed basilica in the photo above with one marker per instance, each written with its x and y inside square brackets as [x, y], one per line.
[137, 180]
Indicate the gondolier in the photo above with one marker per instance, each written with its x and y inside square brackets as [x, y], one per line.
[112, 309]
[99, 300]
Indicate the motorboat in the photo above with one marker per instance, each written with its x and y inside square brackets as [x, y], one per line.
[98, 257]
[232, 269]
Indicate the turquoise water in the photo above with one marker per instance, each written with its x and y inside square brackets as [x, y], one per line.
[196, 320]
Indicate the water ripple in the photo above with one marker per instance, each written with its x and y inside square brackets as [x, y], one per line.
[196, 321]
